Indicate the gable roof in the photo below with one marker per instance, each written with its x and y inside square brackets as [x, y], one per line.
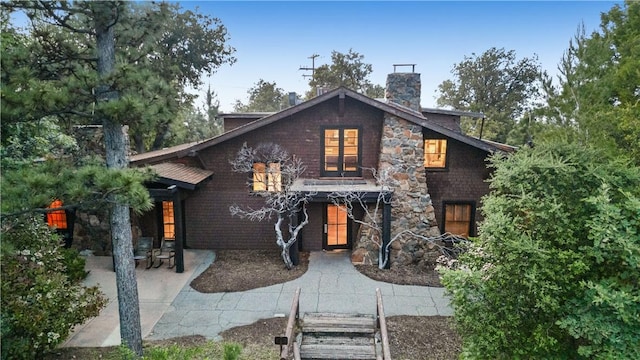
[388, 107]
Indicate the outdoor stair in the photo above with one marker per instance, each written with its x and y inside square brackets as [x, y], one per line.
[338, 336]
[335, 336]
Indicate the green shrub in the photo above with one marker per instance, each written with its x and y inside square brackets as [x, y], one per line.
[75, 264]
[172, 352]
[232, 351]
[123, 352]
[554, 272]
[40, 302]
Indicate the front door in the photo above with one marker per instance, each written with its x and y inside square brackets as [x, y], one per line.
[337, 234]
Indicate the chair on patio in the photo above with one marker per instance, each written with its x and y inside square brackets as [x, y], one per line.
[144, 251]
[167, 251]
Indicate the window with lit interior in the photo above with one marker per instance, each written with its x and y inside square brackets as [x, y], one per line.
[267, 177]
[458, 218]
[435, 153]
[341, 152]
[57, 218]
[168, 220]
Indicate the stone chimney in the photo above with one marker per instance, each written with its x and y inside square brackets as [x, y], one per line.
[404, 87]
[402, 156]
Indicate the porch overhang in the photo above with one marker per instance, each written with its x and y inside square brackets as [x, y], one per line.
[184, 177]
[368, 190]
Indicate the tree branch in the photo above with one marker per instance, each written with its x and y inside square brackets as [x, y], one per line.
[50, 10]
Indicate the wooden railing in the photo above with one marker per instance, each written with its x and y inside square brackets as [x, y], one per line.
[382, 325]
[286, 341]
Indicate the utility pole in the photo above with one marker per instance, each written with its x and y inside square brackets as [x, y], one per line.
[312, 68]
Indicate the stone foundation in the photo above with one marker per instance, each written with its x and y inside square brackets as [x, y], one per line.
[92, 231]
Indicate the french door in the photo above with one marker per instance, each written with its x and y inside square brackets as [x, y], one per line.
[337, 234]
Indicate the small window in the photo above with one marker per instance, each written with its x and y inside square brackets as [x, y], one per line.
[458, 219]
[435, 153]
[57, 218]
[267, 178]
[168, 220]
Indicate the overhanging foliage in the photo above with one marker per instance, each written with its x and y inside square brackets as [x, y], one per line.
[554, 272]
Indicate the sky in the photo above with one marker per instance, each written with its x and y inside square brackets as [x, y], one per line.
[273, 40]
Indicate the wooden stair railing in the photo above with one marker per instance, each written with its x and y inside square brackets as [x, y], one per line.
[285, 341]
[382, 326]
[336, 336]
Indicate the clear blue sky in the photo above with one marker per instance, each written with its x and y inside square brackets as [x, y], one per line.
[274, 39]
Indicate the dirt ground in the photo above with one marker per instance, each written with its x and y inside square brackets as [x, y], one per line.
[245, 270]
[410, 337]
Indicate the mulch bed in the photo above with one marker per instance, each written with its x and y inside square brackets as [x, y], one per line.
[410, 275]
[241, 270]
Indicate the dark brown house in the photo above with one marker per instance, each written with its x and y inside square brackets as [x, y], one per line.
[440, 172]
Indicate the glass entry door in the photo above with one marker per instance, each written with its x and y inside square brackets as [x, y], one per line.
[336, 228]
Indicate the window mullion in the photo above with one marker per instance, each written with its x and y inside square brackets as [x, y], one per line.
[341, 151]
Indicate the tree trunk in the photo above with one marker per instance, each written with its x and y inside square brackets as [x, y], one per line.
[116, 146]
[293, 236]
[284, 245]
[286, 257]
[161, 132]
[138, 143]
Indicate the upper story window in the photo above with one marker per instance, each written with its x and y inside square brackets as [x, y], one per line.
[342, 152]
[435, 153]
[267, 177]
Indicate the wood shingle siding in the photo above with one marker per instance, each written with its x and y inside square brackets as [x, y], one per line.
[300, 130]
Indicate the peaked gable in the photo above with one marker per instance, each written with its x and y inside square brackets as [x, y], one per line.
[341, 92]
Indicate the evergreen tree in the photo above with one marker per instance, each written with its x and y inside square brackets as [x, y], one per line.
[554, 271]
[595, 101]
[160, 49]
[263, 97]
[213, 109]
[348, 70]
[66, 68]
[495, 83]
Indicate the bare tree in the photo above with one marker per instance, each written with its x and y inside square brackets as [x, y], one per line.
[273, 172]
[371, 220]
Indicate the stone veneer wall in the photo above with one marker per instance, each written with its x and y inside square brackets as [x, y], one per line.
[404, 89]
[402, 155]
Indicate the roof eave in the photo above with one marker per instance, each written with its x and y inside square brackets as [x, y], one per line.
[454, 112]
[407, 114]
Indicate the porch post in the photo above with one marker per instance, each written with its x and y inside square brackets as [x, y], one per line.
[177, 212]
[386, 229]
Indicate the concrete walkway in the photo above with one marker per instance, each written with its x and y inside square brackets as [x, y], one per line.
[331, 284]
[157, 288]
